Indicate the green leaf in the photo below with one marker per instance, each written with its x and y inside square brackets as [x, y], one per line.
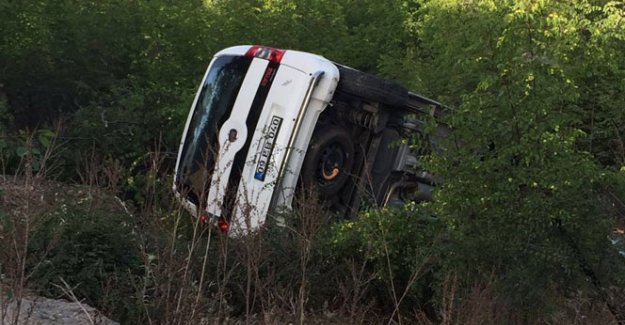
[21, 151]
[45, 137]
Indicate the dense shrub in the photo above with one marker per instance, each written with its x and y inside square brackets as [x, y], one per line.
[533, 176]
[525, 196]
[401, 248]
[96, 253]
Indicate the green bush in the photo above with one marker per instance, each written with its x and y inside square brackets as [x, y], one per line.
[524, 196]
[401, 250]
[95, 253]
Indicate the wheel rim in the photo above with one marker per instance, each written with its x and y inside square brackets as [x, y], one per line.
[329, 160]
[331, 164]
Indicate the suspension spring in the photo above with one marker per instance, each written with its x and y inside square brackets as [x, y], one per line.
[364, 119]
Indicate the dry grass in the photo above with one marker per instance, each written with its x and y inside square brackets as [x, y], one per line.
[192, 275]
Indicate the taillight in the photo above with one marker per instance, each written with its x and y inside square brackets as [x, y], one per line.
[267, 53]
[223, 225]
[204, 218]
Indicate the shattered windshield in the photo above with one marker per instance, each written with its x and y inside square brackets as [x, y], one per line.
[217, 96]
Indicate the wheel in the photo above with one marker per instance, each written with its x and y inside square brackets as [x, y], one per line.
[371, 87]
[329, 161]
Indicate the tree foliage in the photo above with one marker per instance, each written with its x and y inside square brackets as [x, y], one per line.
[532, 156]
[534, 171]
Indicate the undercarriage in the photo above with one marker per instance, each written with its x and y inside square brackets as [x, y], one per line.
[365, 151]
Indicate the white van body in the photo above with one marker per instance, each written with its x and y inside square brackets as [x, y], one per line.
[250, 127]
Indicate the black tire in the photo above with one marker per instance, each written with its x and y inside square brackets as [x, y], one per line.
[371, 87]
[329, 145]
